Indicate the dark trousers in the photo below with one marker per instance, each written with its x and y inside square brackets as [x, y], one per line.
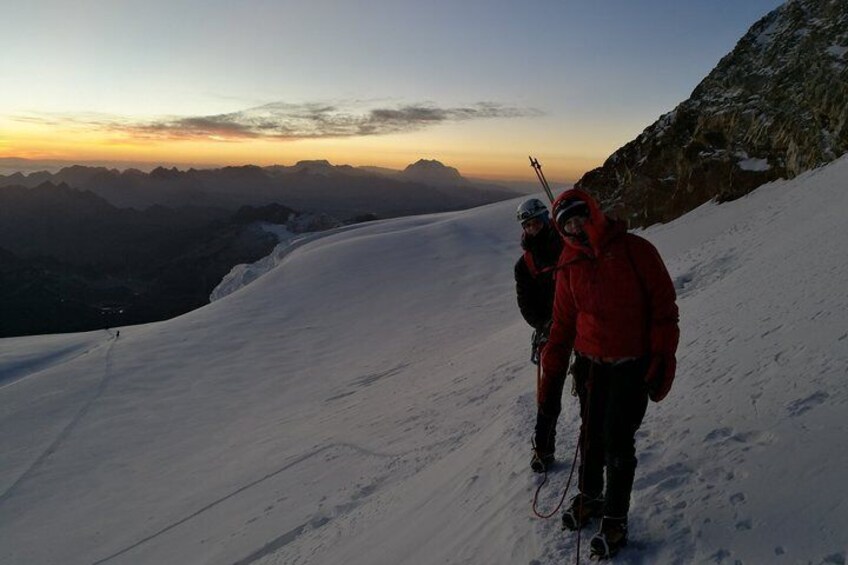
[613, 399]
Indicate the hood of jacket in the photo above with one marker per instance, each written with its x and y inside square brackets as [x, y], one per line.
[599, 228]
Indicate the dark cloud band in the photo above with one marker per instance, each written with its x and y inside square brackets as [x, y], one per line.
[299, 121]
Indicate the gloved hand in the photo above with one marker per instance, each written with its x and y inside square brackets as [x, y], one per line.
[538, 341]
[660, 375]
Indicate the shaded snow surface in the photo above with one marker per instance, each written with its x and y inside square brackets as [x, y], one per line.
[369, 401]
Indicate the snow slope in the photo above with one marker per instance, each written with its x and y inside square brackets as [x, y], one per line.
[369, 400]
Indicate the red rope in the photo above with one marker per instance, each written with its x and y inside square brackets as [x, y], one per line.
[582, 442]
[564, 492]
[545, 479]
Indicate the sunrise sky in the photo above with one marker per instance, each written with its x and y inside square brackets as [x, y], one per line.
[478, 85]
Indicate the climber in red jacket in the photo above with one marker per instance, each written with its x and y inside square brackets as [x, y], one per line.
[615, 307]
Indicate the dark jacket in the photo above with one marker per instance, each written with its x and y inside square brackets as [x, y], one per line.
[534, 282]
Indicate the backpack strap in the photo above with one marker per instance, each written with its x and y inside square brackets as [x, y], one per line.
[635, 268]
[645, 292]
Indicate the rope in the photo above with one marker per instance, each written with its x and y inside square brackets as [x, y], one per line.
[545, 478]
[564, 492]
[580, 448]
[584, 438]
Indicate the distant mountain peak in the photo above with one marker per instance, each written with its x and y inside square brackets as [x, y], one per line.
[432, 163]
[313, 163]
[162, 173]
[430, 171]
[320, 167]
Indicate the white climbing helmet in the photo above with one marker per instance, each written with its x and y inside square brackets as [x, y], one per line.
[531, 208]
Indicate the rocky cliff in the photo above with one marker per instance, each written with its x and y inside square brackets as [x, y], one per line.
[776, 106]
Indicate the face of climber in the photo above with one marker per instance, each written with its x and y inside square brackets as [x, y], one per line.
[571, 216]
[573, 226]
[533, 226]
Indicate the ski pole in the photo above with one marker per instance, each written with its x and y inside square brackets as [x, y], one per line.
[541, 176]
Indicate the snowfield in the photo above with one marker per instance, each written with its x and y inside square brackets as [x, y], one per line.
[369, 400]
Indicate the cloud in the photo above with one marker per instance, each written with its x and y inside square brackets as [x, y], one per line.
[283, 121]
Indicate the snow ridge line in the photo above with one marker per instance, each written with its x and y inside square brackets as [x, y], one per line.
[280, 254]
[66, 431]
[296, 532]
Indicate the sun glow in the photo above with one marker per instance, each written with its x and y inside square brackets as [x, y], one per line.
[476, 151]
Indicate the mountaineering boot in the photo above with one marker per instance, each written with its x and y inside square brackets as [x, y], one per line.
[610, 538]
[620, 472]
[583, 508]
[541, 462]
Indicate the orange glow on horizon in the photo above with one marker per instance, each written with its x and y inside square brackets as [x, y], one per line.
[471, 157]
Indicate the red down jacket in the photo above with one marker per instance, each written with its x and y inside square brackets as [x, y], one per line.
[614, 297]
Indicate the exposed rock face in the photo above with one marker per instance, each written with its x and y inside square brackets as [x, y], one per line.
[776, 106]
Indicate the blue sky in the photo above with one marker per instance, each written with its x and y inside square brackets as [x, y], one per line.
[475, 84]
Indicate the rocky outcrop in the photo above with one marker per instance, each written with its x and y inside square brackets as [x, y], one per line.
[776, 106]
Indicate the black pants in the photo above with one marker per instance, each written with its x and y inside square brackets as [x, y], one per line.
[613, 399]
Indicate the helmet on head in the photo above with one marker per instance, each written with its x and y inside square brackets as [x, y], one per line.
[532, 208]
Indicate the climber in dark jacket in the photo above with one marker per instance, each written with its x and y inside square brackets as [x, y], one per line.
[534, 288]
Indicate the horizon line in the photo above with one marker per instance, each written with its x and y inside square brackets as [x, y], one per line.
[55, 165]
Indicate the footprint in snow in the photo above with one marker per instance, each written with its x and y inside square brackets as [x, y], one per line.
[835, 559]
[728, 434]
[718, 434]
[798, 407]
[681, 281]
[744, 525]
[667, 478]
[737, 498]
